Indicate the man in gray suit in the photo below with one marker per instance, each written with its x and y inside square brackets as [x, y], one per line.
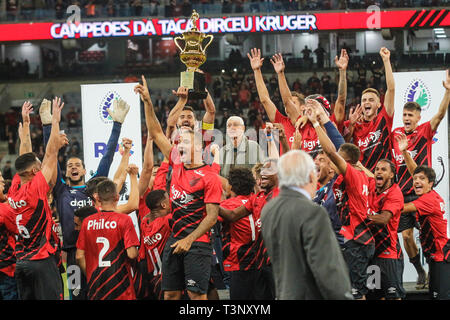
[306, 259]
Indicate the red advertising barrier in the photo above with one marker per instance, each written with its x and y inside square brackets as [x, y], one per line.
[360, 20]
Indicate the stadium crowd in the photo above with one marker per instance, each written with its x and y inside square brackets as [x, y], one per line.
[201, 210]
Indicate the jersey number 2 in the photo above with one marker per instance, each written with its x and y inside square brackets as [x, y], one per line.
[101, 262]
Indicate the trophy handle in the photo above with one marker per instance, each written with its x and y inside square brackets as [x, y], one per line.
[176, 42]
[207, 45]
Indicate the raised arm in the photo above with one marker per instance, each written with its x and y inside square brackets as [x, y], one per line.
[272, 150]
[390, 83]
[24, 129]
[330, 129]
[402, 141]
[133, 200]
[182, 94]
[339, 108]
[327, 145]
[147, 167]
[354, 116]
[282, 135]
[55, 142]
[46, 119]
[152, 122]
[437, 118]
[285, 92]
[118, 115]
[121, 172]
[210, 114]
[256, 63]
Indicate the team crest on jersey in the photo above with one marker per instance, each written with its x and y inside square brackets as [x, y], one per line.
[107, 102]
[194, 181]
[417, 91]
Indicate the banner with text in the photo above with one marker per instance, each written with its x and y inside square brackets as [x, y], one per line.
[97, 127]
[371, 19]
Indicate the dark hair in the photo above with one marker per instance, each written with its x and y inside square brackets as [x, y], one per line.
[352, 151]
[154, 198]
[24, 161]
[392, 167]
[412, 106]
[106, 190]
[241, 180]
[73, 157]
[85, 212]
[188, 108]
[427, 171]
[91, 186]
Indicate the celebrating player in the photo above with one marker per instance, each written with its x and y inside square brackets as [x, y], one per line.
[420, 140]
[106, 242]
[37, 274]
[386, 204]
[351, 193]
[369, 127]
[70, 194]
[195, 192]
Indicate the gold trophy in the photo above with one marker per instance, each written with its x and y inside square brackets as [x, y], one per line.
[193, 55]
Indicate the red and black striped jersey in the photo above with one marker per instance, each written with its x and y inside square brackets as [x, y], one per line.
[154, 236]
[433, 226]
[237, 234]
[105, 238]
[420, 142]
[253, 255]
[33, 218]
[190, 190]
[310, 140]
[386, 236]
[161, 177]
[373, 139]
[8, 230]
[289, 128]
[351, 192]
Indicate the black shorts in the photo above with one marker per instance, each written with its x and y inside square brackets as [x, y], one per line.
[357, 257]
[216, 281]
[39, 280]
[154, 287]
[252, 284]
[408, 220]
[190, 270]
[390, 285]
[439, 285]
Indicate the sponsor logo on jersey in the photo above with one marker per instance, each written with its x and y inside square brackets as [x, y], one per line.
[181, 197]
[371, 138]
[151, 240]
[101, 224]
[17, 204]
